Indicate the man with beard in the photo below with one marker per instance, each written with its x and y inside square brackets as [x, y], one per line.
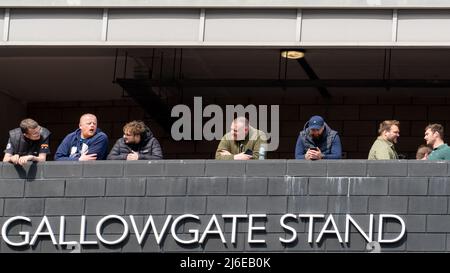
[137, 143]
[318, 141]
[84, 144]
[434, 136]
[383, 148]
[243, 142]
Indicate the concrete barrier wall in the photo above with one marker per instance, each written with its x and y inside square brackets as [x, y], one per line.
[417, 191]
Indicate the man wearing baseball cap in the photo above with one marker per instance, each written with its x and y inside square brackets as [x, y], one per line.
[318, 141]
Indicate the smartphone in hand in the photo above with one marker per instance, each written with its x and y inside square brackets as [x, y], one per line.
[248, 152]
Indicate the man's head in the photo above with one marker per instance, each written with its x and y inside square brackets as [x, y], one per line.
[88, 125]
[316, 125]
[30, 129]
[390, 130]
[423, 151]
[434, 133]
[132, 131]
[239, 128]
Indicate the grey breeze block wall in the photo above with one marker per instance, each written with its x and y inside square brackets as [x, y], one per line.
[415, 190]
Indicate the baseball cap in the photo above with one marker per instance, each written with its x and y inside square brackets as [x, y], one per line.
[315, 122]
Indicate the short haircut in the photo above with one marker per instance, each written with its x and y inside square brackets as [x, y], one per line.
[135, 127]
[387, 124]
[243, 120]
[436, 127]
[422, 151]
[27, 124]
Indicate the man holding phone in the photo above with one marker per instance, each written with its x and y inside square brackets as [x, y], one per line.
[241, 143]
[318, 141]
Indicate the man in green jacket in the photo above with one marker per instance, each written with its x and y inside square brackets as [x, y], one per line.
[383, 147]
[243, 142]
[434, 135]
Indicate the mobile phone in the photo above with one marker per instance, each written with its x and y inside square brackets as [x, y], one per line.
[248, 152]
[314, 148]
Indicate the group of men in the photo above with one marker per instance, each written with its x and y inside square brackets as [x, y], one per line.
[30, 142]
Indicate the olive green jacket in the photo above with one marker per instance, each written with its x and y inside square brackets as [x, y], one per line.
[382, 150]
[252, 141]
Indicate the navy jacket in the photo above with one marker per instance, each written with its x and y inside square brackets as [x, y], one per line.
[72, 146]
[329, 144]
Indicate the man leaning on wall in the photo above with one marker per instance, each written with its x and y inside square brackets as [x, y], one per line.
[434, 136]
[384, 146]
[243, 142]
[28, 142]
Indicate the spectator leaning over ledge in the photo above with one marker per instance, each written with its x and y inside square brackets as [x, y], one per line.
[318, 141]
[86, 143]
[434, 135]
[383, 147]
[137, 143]
[243, 142]
[29, 142]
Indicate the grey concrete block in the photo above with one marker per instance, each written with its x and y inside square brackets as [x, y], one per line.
[387, 168]
[148, 245]
[1, 208]
[166, 186]
[302, 245]
[438, 223]
[266, 204]
[356, 243]
[306, 168]
[44, 188]
[207, 186]
[64, 206]
[29, 171]
[26, 207]
[414, 223]
[57, 169]
[186, 204]
[112, 168]
[388, 204]
[328, 186]
[266, 168]
[145, 205]
[105, 206]
[144, 168]
[368, 186]
[427, 168]
[399, 246]
[184, 167]
[439, 186]
[134, 186]
[6, 248]
[346, 168]
[426, 242]
[100, 247]
[307, 204]
[12, 187]
[347, 204]
[408, 186]
[171, 245]
[225, 168]
[215, 244]
[226, 205]
[247, 185]
[272, 242]
[85, 187]
[427, 205]
[288, 185]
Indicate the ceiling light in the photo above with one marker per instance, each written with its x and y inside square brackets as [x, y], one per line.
[292, 54]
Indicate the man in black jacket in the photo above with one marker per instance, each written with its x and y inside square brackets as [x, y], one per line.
[137, 143]
[29, 142]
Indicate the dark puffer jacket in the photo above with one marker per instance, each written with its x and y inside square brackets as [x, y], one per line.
[148, 148]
